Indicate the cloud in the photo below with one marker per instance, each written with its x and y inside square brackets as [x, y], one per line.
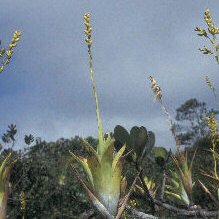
[46, 89]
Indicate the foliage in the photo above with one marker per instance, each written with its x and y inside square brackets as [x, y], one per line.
[39, 172]
[151, 187]
[160, 155]
[195, 113]
[182, 179]
[139, 141]
[44, 162]
[177, 189]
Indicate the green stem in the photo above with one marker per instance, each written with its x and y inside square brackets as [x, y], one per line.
[217, 57]
[100, 135]
[215, 160]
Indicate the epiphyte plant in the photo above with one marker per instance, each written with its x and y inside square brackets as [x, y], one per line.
[103, 167]
[184, 174]
[176, 188]
[182, 180]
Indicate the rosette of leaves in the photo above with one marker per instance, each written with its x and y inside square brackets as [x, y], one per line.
[103, 171]
[176, 188]
[182, 180]
[139, 140]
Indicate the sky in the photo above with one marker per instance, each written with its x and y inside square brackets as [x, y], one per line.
[46, 88]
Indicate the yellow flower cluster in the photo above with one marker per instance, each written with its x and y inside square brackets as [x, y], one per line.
[212, 29]
[88, 29]
[212, 124]
[9, 52]
[133, 203]
[22, 201]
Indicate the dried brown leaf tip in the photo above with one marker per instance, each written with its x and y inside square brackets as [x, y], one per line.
[157, 93]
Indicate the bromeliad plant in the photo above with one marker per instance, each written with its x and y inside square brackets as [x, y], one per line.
[184, 174]
[182, 180]
[176, 188]
[103, 167]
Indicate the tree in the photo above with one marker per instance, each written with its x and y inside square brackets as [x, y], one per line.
[195, 113]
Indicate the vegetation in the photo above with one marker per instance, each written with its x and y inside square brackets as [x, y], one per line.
[153, 182]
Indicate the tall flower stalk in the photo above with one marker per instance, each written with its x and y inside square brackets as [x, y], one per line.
[103, 167]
